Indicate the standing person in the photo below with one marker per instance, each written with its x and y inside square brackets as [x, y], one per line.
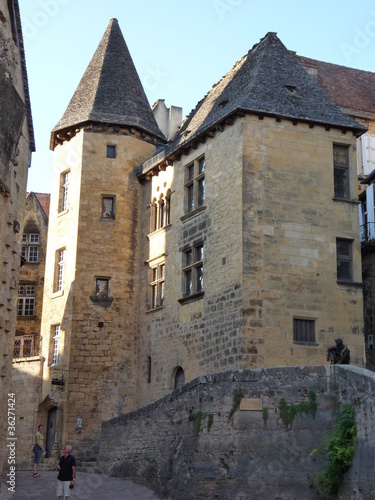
[38, 449]
[67, 474]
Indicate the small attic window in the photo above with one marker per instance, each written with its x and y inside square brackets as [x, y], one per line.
[111, 151]
[291, 88]
[223, 102]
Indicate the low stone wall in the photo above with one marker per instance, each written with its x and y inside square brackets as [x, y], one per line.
[253, 454]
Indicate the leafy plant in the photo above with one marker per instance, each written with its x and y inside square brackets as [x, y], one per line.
[237, 398]
[197, 417]
[265, 415]
[340, 448]
[288, 412]
[210, 421]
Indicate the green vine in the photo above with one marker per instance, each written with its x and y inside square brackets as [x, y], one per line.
[340, 448]
[210, 421]
[265, 415]
[288, 412]
[197, 417]
[237, 398]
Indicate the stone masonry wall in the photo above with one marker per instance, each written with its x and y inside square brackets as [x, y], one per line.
[249, 456]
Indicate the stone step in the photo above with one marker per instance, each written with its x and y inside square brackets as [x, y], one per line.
[89, 470]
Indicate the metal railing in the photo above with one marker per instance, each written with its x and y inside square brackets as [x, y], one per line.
[367, 232]
[25, 346]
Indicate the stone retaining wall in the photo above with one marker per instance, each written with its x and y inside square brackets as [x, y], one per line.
[252, 455]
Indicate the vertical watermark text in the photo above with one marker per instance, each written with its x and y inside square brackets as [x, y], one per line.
[11, 443]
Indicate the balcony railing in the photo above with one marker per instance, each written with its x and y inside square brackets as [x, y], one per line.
[25, 346]
[367, 232]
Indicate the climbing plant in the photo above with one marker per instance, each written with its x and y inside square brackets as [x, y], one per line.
[237, 398]
[288, 412]
[340, 449]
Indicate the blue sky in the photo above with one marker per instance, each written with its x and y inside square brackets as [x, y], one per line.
[179, 47]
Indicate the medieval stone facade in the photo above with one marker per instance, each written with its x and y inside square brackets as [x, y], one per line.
[228, 242]
[16, 146]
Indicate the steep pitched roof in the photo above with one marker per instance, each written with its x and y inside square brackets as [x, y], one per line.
[110, 90]
[268, 80]
[351, 89]
[43, 199]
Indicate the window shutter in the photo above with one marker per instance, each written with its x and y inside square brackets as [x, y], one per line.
[370, 211]
[368, 153]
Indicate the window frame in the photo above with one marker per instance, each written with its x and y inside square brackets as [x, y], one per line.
[113, 200]
[340, 168]
[157, 285]
[344, 258]
[30, 247]
[195, 187]
[60, 264]
[65, 180]
[193, 271]
[300, 333]
[105, 294]
[26, 300]
[111, 147]
[160, 212]
[55, 345]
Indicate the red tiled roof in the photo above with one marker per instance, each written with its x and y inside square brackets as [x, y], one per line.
[349, 88]
[44, 200]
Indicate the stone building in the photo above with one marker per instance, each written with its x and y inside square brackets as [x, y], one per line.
[230, 242]
[16, 147]
[27, 359]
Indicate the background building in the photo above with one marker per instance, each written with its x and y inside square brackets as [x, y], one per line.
[16, 146]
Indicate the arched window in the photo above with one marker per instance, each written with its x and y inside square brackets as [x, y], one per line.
[179, 378]
[154, 215]
[161, 212]
[168, 208]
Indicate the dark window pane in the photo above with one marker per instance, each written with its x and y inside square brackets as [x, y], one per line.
[111, 151]
[304, 330]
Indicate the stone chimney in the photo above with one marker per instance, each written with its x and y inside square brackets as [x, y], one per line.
[168, 119]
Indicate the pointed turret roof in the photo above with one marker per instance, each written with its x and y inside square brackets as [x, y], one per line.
[268, 80]
[110, 90]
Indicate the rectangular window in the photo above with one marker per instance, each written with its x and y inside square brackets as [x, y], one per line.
[111, 151]
[23, 346]
[65, 185]
[60, 268]
[157, 285]
[304, 330]
[108, 207]
[102, 288]
[344, 260]
[55, 345]
[195, 184]
[26, 300]
[341, 171]
[193, 270]
[33, 254]
[30, 250]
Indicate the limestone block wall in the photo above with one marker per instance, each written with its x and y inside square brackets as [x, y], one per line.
[98, 335]
[291, 221]
[204, 334]
[26, 387]
[15, 157]
[252, 455]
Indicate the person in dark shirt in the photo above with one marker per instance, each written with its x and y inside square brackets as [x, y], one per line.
[67, 474]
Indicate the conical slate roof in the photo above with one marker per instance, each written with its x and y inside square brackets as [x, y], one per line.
[270, 80]
[110, 90]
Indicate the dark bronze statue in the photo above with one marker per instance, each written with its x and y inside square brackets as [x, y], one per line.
[339, 354]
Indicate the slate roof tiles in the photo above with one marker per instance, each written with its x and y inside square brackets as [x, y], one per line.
[110, 90]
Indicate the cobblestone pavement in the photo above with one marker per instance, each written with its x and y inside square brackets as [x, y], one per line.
[88, 487]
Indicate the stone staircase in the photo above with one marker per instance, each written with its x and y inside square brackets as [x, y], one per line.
[89, 467]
